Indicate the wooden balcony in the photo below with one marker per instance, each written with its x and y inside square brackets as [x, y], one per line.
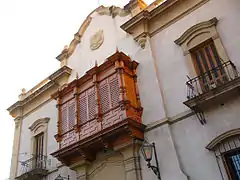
[213, 87]
[34, 168]
[99, 110]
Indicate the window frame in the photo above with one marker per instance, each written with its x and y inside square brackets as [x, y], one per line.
[223, 144]
[196, 35]
[38, 127]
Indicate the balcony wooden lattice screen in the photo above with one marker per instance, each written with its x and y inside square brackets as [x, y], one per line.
[93, 106]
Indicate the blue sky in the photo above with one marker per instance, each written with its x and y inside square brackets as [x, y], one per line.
[32, 34]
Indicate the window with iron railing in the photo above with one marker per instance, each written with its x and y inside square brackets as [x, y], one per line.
[228, 158]
[216, 77]
[211, 70]
[33, 168]
[39, 143]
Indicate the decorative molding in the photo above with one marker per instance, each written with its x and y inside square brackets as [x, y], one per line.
[135, 6]
[102, 165]
[152, 20]
[113, 11]
[101, 10]
[39, 122]
[222, 137]
[97, 40]
[67, 52]
[51, 81]
[196, 28]
[142, 39]
[171, 120]
[18, 122]
[39, 126]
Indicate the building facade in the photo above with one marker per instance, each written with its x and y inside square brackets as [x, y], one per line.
[166, 73]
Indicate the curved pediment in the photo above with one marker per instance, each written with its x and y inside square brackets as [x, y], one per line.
[222, 137]
[39, 124]
[112, 11]
[196, 29]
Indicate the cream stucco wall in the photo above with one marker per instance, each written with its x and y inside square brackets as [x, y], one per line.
[161, 78]
[115, 38]
[188, 136]
[191, 139]
[171, 62]
[48, 110]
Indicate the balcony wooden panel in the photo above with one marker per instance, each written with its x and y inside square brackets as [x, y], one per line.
[213, 87]
[99, 110]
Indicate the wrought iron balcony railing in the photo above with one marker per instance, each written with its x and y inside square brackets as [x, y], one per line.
[33, 167]
[216, 77]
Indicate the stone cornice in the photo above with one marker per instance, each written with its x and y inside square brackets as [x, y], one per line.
[65, 70]
[153, 19]
[193, 29]
[26, 100]
[52, 81]
[134, 3]
[146, 15]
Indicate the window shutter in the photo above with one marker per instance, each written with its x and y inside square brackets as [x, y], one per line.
[71, 115]
[91, 105]
[115, 91]
[104, 96]
[64, 119]
[83, 108]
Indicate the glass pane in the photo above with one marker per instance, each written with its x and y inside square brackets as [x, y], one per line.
[236, 162]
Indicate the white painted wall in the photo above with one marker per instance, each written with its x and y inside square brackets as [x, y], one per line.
[189, 136]
[170, 59]
[48, 110]
[84, 58]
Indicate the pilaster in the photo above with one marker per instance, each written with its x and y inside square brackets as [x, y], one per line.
[16, 145]
[131, 159]
[81, 169]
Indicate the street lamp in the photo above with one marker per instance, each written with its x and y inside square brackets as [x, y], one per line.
[59, 177]
[147, 150]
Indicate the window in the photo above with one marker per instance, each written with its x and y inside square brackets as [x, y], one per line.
[232, 163]
[205, 57]
[226, 148]
[203, 49]
[68, 115]
[39, 144]
[109, 93]
[87, 105]
[208, 65]
[39, 140]
[38, 155]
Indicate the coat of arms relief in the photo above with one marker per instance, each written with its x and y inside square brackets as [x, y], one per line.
[97, 40]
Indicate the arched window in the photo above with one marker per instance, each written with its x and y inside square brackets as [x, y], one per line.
[226, 148]
[203, 49]
[39, 138]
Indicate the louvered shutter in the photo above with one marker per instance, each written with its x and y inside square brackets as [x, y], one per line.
[104, 96]
[64, 118]
[83, 108]
[114, 91]
[71, 115]
[91, 105]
